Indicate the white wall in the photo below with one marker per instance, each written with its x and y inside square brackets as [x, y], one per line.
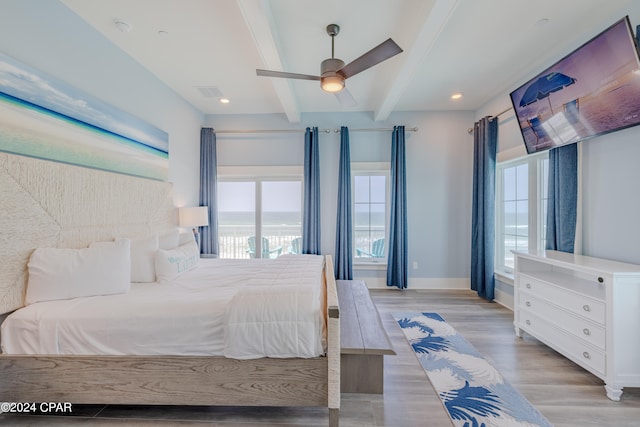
[439, 167]
[47, 36]
[611, 199]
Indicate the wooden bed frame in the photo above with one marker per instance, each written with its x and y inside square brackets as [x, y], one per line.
[49, 204]
[182, 380]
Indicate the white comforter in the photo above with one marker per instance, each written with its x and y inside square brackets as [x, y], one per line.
[278, 313]
[200, 313]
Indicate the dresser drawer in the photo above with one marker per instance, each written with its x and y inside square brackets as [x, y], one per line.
[587, 330]
[579, 304]
[569, 345]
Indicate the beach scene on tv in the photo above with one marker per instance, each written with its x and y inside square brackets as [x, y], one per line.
[594, 90]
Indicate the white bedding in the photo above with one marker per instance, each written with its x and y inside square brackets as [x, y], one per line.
[186, 316]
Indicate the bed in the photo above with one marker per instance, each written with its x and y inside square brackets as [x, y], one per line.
[61, 350]
[174, 378]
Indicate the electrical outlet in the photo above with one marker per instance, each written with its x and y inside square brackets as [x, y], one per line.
[415, 265]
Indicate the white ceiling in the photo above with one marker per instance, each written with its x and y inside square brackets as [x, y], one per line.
[481, 48]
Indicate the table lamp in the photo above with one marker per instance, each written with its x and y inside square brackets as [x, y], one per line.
[194, 217]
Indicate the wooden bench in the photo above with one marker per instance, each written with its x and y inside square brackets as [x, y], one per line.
[363, 340]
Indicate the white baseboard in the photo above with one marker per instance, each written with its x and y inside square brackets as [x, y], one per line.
[501, 297]
[504, 298]
[504, 290]
[420, 283]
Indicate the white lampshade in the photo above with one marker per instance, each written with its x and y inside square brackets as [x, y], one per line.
[194, 217]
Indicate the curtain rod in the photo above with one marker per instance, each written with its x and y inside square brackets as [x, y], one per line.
[470, 130]
[269, 131]
[503, 111]
[413, 129]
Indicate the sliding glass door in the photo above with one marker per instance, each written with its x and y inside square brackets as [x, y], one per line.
[259, 217]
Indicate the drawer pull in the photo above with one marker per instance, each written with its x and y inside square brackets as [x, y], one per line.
[528, 285]
[528, 303]
[586, 308]
[586, 355]
[586, 331]
[528, 322]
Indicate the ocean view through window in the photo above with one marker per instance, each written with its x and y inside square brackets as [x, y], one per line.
[259, 217]
[370, 212]
[520, 207]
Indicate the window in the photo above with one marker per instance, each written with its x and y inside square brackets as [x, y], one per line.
[521, 206]
[259, 217]
[515, 210]
[370, 212]
[236, 217]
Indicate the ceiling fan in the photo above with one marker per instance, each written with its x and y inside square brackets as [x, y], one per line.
[333, 71]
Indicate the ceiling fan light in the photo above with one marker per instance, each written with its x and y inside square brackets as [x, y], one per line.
[332, 84]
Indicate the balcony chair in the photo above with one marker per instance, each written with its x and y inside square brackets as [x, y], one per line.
[377, 250]
[266, 252]
[296, 246]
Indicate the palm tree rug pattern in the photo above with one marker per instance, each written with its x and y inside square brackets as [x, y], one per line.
[473, 392]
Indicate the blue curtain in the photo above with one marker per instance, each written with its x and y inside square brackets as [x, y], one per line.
[485, 139]
[397, 264]
[562, 198]
[344, 249]
[208, 181]
[311, 210]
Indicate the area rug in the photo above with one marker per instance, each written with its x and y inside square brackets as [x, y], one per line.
[473, 392]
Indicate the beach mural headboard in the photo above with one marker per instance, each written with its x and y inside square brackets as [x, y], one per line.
[73, 170]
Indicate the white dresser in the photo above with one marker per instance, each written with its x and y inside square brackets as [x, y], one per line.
[587, 309]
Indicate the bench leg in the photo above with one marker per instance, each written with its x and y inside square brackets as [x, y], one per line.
[362, 373]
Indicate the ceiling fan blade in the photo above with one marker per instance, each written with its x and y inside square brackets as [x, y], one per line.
[345, 98]
[382, 52]
[267, 73]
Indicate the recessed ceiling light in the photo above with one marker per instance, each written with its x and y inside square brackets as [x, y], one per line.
[163, 33]
[456, 95]
[224, 100]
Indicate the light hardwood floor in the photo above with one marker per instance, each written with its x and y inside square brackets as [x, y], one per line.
[565, 393]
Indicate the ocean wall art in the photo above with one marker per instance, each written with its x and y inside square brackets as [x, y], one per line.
[44, 117]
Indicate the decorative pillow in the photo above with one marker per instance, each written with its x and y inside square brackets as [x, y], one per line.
[171, 264]
[168, 240]
[57, 273]
[186, 237]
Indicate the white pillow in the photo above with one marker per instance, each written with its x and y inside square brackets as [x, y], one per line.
[168, 240]
[170, 264]
[57, 273]
[143, 268]
[143, 253]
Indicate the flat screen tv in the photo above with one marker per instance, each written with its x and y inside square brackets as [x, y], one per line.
[592, 91]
